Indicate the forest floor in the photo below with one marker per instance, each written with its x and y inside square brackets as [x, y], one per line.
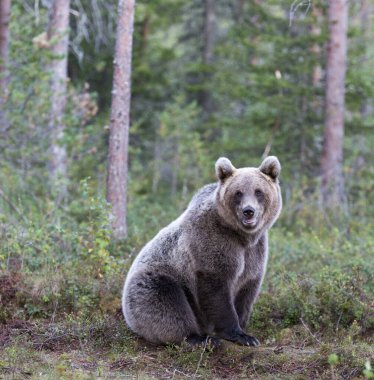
[73, 350]
[101, 346]
[60, 315]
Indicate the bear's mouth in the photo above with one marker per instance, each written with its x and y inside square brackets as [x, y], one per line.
[249, 222]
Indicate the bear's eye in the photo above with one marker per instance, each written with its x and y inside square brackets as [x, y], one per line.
[238, 197]
[238, 194]
[259, 194]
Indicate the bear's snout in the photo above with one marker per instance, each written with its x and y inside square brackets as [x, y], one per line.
[249, 212]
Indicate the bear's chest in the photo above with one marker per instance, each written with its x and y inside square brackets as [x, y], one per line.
[251, 265]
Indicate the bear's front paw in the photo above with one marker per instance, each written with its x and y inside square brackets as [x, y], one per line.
[239, 337]
[247, 340]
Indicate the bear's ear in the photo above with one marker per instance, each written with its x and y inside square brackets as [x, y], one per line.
[224, 168]
[271, 167]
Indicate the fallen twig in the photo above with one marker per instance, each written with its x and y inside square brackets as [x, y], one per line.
[309, 331]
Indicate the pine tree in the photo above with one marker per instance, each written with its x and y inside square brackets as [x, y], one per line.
[120, 119]
[332, 186]
[4, 57]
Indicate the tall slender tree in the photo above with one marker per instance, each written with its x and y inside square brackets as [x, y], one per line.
[120, 119]
[316, 48]
[209, 34]
[58, 37]
[365, 20]
[332, 185]
[4, 56]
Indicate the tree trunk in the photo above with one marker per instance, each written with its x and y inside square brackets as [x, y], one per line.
[58, 36]
[316, 49]
[144, 34]
[120, 119]
[332, 186]
[157, 159]
[254, 39]
[238, 10]
[4, 58]
[365, 20]
[206, 100]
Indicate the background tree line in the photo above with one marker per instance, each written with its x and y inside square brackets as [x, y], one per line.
[242, 79]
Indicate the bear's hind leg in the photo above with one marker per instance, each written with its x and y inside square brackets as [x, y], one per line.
[156, 308]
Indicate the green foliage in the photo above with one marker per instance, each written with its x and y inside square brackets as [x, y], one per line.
[368, 371]
[332, 301]
[27, 104]
[181, 146]
[61, 275]
[333, 359]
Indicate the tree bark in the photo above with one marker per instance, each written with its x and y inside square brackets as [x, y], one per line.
[332, 185]
[144, 33]
[365, 20]
[58, 37]
[238, 10]
[316, 49]
[206, 100]
[4, 57]
[120, 119]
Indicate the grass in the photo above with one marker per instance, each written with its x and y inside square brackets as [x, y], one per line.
[60, 317]
[106, 349]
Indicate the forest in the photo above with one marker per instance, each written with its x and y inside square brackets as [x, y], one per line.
[112, 115]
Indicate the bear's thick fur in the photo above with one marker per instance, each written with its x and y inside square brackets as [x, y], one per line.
[200, 275]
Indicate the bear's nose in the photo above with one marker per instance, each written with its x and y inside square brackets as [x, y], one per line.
[248, 211]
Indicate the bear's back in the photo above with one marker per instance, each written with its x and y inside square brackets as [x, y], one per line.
[169, 248]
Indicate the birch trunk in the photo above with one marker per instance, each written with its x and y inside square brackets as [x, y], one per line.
[58, 36]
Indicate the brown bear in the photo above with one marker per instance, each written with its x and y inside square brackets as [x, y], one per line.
[200, 275]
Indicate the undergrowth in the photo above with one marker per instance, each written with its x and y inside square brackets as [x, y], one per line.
[60, 308]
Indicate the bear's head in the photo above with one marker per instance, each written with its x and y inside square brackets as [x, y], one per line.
[249, 199]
